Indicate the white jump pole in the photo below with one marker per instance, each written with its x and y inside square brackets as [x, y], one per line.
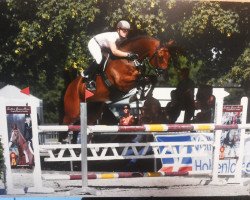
[217, 137]
[84, 159]
[238, 170]
[218, 120]
[37, 172]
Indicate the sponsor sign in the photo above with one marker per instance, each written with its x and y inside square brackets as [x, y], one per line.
[203, 161]
[230, 139]
[20, 136]
[203, 153]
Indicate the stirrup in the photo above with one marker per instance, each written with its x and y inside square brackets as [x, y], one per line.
[90, 85]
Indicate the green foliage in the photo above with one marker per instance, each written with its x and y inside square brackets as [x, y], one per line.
[221, 27]
[146, 16]
[49, 38]
[206, 14]
[239, 74]
[184, 62]
[51, 92]
[241, 69]
[57, 21]
[44, 41]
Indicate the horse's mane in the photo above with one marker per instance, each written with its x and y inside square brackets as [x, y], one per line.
[134, 39]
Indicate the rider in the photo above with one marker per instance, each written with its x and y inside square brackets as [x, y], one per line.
[103, 41]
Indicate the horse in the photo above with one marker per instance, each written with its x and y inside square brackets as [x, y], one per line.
[118, 77]
[26, 155]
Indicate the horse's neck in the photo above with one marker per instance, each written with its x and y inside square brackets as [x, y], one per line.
[143, 47]
[20, 137]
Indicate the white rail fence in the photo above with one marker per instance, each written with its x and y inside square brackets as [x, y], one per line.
[99, 151]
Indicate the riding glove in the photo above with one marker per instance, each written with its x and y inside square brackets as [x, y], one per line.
[133, 56]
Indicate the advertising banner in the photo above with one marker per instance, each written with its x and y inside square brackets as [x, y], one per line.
[230, 139]
[197, 163]
[20, 136]
[183, 164]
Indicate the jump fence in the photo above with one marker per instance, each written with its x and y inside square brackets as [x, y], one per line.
[159, 129]
[99, 151]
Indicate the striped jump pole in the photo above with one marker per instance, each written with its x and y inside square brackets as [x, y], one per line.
[59, 128]
[166, 128]
[145, 128]
[113, 175]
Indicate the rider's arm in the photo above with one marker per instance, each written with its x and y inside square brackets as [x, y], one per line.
[116, 51]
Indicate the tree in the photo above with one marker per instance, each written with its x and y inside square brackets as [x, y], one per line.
[225, 37]
[43, 44]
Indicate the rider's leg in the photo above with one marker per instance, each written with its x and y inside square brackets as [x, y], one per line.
[89, 73]
[95, 50]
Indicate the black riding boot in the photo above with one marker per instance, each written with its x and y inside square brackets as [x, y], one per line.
[89, 76]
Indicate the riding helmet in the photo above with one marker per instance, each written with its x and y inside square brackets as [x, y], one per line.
[123, 24]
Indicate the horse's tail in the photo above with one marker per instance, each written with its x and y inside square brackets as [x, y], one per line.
[73, 96]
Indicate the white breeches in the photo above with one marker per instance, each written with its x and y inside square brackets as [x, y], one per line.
[95, 50]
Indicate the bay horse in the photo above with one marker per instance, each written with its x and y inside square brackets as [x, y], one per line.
[26, 155]
[118, 77]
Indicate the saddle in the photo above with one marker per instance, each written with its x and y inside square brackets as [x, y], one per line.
[95, 70]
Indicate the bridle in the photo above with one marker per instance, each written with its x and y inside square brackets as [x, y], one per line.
[146, 68]
[148, 73]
